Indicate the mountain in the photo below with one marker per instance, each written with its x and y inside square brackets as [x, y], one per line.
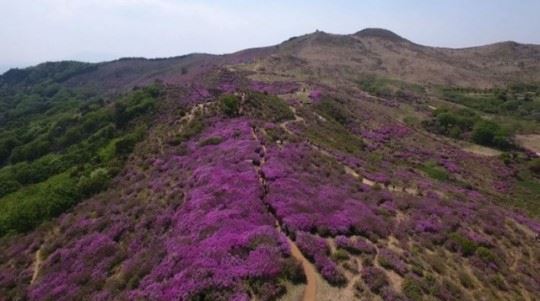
[375, 52]
[328, 167]
[383, 53]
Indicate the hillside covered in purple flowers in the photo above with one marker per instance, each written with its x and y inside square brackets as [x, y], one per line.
[329, 167]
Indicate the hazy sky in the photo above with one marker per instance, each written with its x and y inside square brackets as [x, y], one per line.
[33, 31]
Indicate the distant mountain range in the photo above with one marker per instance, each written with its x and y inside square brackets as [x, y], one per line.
[370, 51]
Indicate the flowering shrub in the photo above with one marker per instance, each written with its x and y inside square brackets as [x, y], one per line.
[315, 94]
[198, 94]
[386, 133]
[430, 224]
[355, 246]
[317, 250]
[390, 260]
[274, 88]
[193, 256]
[330, 271]
[458, 242]
[374, 278]
[196, 219]
[95, 250]
[303, 198]
[311, 245]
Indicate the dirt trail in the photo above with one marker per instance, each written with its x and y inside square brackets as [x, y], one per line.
[186, 119]
[37, 265]
[160, 143]
[310, 291]
[297, 118]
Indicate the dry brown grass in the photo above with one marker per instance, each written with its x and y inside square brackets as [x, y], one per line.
[530, 142]
[339, 59]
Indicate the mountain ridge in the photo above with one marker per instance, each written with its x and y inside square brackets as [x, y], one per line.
[512, 49]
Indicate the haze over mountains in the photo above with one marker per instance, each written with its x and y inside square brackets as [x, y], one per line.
[328, 167]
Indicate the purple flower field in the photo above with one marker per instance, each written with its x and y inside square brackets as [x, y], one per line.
[234, 173]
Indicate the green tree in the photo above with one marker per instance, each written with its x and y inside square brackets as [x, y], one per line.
[8, 186]
[230, 105]
[96, 181]
[484, 132]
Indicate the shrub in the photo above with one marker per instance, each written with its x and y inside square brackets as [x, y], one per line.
[534, 166]
[390, 260]
[490, 134]
[265, 290]
[376, 86]
[268, 107]
[125, 145]
[460, 243]
[311, 245]
[275, 133]
[330, 271]
[340, 255]
[333, 109]
[39, 170]
[71, 136]
[96, 181]
[134, 105]
[30, 151]
[316, 250]
[412, 289]
[8, 186]
[411, 121]
[434, 171]
[230, 105]
[294, 271]
[336, 136]
[486, 255]
[191, 130]
[211, 141]
[437, 263]
[357, 246]
[428, 283]
[374, 278]
[24, 209]
[498, 282]
[451, 123]
[448, 290]
[466, 280]
[6, 145]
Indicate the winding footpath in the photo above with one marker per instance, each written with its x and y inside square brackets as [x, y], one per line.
[310, 291]
[37, 266]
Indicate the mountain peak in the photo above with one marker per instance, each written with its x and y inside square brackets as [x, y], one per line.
[379, 33]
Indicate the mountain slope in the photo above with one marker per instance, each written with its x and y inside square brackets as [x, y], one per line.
[275, 173]
[382, 53]
[375, 52]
